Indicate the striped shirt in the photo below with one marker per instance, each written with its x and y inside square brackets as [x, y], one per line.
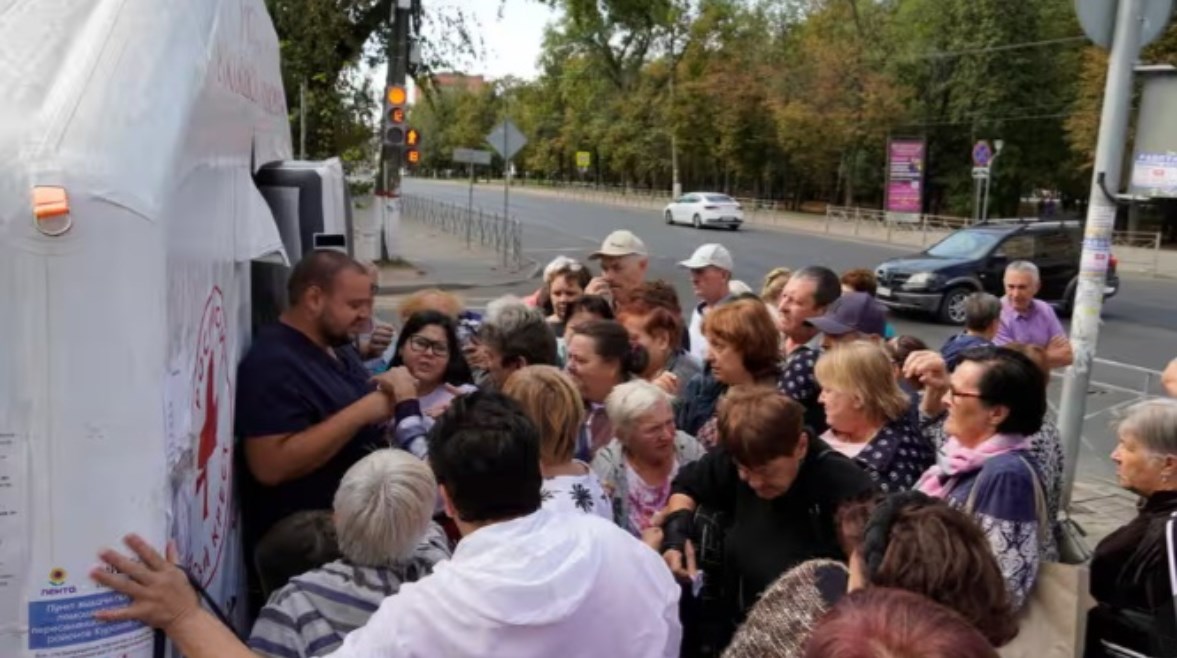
[311, 615]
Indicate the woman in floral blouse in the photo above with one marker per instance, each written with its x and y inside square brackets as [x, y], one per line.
[869, 416]
[992, 403]
[638, 466]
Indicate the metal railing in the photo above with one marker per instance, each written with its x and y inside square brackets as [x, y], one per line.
[503, 234]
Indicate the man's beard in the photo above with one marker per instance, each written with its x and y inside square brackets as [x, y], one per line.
[333, 337]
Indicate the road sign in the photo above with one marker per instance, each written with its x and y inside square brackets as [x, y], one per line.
[1098, 17]
[980, 172]
[506, 139]
[982, 153]
[584, 159]
[472, 156]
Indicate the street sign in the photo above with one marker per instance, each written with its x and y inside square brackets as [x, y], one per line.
[506, 139]
[1098, 17]
[584, 159]
[982, 153]
[980, 172]
[473, 156]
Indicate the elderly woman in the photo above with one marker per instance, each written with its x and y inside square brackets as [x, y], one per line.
[995, 401]
[600, 357]
[743, 348]
[638, 466]
[550, 400]
[660, 331]
[382, 519]
[774, 490]
[565, 280]
[868, 415]
[1131, 569]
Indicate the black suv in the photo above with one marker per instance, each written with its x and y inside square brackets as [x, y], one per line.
[938, 279]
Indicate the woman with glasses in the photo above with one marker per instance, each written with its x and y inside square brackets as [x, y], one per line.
[429, 361]
[989, 407]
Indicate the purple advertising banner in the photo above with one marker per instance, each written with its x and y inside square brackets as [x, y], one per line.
[905, 176]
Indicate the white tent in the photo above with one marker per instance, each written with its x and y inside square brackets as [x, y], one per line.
[124, 309]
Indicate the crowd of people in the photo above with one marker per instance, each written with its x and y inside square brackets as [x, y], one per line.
[601, 470]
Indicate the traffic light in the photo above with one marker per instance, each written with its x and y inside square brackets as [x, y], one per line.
[394, 131]
[412, 137]
[412, 156]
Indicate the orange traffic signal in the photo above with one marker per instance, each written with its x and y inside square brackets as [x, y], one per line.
[413, 156]
[396, 95]
[412, 137]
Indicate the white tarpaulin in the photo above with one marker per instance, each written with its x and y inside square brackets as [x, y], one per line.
[119, 339]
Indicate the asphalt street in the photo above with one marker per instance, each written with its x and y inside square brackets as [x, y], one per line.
[1139, 325]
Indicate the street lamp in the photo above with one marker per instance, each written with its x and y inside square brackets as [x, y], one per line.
[997, 145]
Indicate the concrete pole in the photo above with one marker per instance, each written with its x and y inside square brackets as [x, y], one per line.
[1097, 237]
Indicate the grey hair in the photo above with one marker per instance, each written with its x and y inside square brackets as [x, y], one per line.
[1025, 267]
[509, 312]
[383, 507]
[628, 402]
[1153, 423]
[981, 310]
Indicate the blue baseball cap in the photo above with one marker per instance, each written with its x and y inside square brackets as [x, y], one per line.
[853, 311]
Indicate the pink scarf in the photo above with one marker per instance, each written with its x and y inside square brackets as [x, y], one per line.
[956, 460]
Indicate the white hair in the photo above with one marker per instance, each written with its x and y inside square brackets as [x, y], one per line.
[1154, 424]
[383, 507]
[507, 313]
[628, 402]
[1023, 266]
[558, 263]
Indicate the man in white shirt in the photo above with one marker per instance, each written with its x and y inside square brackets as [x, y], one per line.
[711, 274]
[524, 582]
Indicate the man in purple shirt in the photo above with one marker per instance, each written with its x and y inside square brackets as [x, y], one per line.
[1028, 320]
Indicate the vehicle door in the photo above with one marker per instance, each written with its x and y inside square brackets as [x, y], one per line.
[1057, 258]
[685, 208]
[1017, 246]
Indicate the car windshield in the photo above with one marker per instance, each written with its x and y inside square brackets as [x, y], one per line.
[964, 244]
[718, 198]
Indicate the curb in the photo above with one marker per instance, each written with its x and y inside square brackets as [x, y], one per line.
[530, 272]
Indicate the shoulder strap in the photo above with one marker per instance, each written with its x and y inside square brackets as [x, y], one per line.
[1040, 509]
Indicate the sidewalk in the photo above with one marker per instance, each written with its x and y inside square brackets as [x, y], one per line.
[1100, 507]
[441, 260]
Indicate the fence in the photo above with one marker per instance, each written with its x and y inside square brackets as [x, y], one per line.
[504, 235]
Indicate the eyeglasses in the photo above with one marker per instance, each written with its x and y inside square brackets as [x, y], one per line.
[421, 344]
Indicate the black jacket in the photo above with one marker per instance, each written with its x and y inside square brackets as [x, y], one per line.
[765, 538]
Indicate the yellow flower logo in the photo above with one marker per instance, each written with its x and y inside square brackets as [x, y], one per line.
[57, 576]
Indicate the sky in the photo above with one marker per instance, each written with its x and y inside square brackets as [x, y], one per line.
[513, 41]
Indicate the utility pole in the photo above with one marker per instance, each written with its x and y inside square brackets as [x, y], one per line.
[676, 185]
[1097, 236]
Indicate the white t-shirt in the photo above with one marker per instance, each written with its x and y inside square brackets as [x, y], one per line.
[847, 448]
[577, 493]
[542, 585]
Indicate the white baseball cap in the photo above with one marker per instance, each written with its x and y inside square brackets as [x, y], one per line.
[710, 255]
[621, 243]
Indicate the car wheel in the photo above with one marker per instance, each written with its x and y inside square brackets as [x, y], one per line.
[669, 217]
[697, 221]
[952, 306]
[1067, 306]
[733, 227]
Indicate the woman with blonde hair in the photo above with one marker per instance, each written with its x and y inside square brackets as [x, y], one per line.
[869, 415]
[550, 400]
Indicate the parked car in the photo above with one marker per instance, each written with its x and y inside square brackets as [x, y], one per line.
[701, 209]
[938, 279]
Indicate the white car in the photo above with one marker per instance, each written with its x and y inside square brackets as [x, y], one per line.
[701, 209]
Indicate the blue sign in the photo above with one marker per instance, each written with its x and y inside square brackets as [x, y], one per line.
[982, 154]
[57, 623]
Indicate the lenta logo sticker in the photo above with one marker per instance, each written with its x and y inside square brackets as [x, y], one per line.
[212, 412]
[57, 576]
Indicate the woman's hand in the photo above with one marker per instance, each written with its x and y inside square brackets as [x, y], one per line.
[682, 563]
[161, 596]
[399, 381]
[668, 382]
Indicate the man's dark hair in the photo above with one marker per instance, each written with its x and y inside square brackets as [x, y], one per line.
[295, 545]
[457, 371]
[1012, 380]
[485, 451]
[318, 269]
[594, 304]
[829, 287]
[981, 310]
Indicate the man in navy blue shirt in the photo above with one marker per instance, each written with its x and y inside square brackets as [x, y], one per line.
[306, 407]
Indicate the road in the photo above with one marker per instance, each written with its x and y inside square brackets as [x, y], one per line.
[1140, 324]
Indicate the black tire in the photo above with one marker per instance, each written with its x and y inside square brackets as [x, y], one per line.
[669, 218]
[1067, 306]
[734, 227]
[697, 221]
[952, 305]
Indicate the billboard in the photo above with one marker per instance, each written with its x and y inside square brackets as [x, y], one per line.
[905, 179]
